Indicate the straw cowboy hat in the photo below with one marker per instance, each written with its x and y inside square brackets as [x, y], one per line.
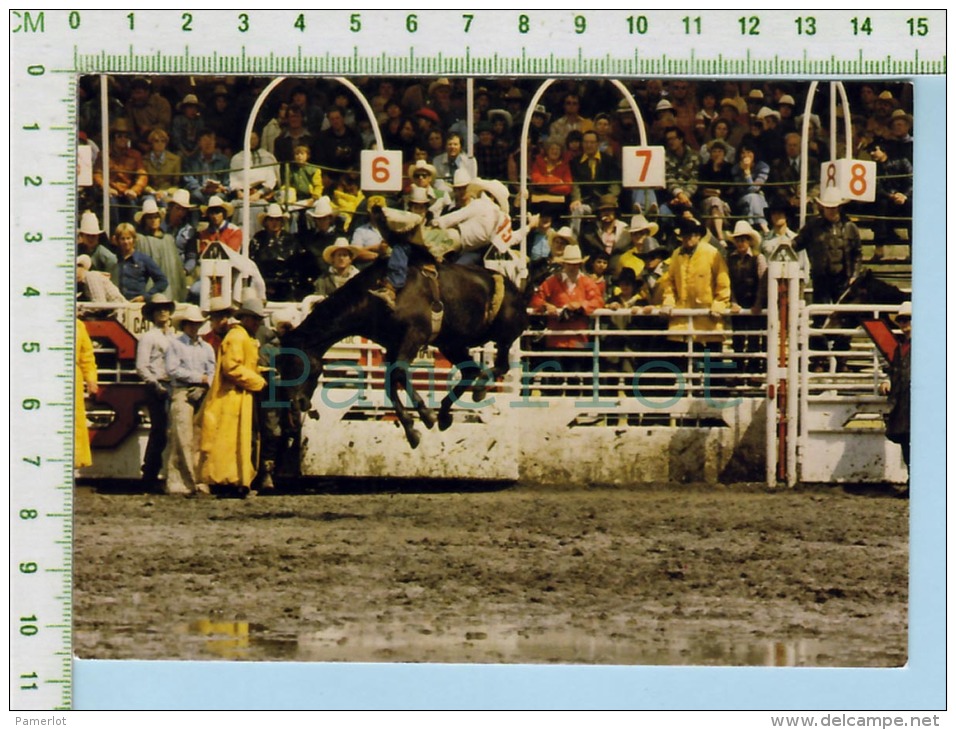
[830, 198]
[251, 307]
[340, 244]
[608, 202]
[421, 165]
[190, 314]
[640, 223]
[273, 211]
[322, 208]
[438, 83]
[572, 255]
[566, 234]
[181, 198]
[743, 228]
[420, 195]
[219, 305]
[663, 106]
[786, 99]
[149, 208]
[159, 302]
[90, 224]
[542, 110]
[189, 100]
[216, 202]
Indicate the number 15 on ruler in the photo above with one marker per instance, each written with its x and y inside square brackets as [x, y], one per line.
[643, 167]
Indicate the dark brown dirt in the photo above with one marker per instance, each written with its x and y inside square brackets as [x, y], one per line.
[525, 574]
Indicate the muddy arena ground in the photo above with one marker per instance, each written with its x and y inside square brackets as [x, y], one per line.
[391, 572]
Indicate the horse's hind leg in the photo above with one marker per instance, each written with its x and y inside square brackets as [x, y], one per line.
[397, 375]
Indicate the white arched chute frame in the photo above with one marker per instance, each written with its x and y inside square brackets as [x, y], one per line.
[835, 87]
[526, 127]
[247, 151]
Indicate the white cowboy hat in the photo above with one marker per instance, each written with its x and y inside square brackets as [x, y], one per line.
[663, 105]
[462, 178]
[340, 244]
[252, 307]
[273, 211]
[766, 111]
[181, 198]
[322, 208]
[421, 195]
[190, 314]
[149, 208]
[216, 202]
[572, 255]
[743, 228]
[640, 223]
[90, 224]
[159, 301]
[565, 233]
[503, 113]
[187, 100]
[786, 99]
[421, 165]
[218, 305]
[830, 198]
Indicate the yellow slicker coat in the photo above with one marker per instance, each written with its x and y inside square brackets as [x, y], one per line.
[85, 372]
[227, 436]
[699, 281]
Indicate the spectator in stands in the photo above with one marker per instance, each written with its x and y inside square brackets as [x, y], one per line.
[716, 178]
[296, 134]
[771, 137]
[207, 173]
[572, 120]
[305, 177]
[147, 111]
[901, 124]
[184, 135]
[95, 286]
[88, 241]
[611, 234]
[501, 126]
[338, 148]
[222, 117]
[641, 234]
[719, 129]
[878, 123]
[750, 174]
[435, 143]
[491, 154]
[151, 367]
[311, 110]
[785, 107]
[135, 269]
[730, 113]
[784, 178]
[595, 175]
[339, 257]
[160, 246]
[894, 193]
[538, 129]
[190, 365]
[323, 228]
[747, 268]
[347, 198]
[707, 114]
[178, 223]
[162, 166]
[218, 214]
[597, 268]
[127, 173]
[263, 173]
[452, 160]
[681, 166]
[283, 263]
[272, 130]
[551, 178]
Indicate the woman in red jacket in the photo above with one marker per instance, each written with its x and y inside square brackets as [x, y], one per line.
[551, 176]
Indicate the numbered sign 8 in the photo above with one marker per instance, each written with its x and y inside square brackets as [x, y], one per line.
[381, 171]
[854, 179]
[643, 167]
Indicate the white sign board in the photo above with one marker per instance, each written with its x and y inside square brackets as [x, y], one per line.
[643, 167]
[854, 179]
[381, 171]
[84, 165]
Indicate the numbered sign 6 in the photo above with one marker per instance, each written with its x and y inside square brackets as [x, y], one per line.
[643, 167]
[381, 171]
[854, 179]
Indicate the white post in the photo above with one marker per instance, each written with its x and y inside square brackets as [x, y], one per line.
[470, 111]
[247, 160]
[804, 152]
[523, 172]
[105, 148]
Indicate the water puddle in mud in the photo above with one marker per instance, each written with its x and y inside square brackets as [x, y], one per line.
[240, 640]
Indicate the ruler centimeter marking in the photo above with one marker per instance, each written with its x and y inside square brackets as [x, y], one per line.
[50, 48]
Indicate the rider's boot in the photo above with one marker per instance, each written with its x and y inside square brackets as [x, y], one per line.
[386, 293]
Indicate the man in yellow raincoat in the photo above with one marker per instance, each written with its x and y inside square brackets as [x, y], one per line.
[228, 445]
[85, 375]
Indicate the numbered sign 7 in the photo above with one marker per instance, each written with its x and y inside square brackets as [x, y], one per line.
[643, 167]
[854, 179]
[382, 171]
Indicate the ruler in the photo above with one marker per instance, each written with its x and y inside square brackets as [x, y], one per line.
[50, 49]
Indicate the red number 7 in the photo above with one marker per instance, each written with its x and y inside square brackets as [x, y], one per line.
[646, 154]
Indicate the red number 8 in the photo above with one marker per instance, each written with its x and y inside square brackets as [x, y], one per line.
[380, 171]
[858, 179]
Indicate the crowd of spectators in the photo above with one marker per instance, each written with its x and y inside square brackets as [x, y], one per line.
[732, 155]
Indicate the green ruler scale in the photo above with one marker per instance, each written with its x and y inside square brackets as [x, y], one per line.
[50, 49]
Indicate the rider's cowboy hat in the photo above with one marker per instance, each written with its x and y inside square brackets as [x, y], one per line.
[572, 255]
[340, 244]
[216, 202]
[640, 223]
[159, 302]
[462, 178]
[273, 211]
[322, 208]
[90, 224]
[401, 221]
[743, 228]
[149, 208]
[251, 307]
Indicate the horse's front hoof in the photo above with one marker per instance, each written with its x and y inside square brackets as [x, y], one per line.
[428, 418]
[444, 421]
[414, 437]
